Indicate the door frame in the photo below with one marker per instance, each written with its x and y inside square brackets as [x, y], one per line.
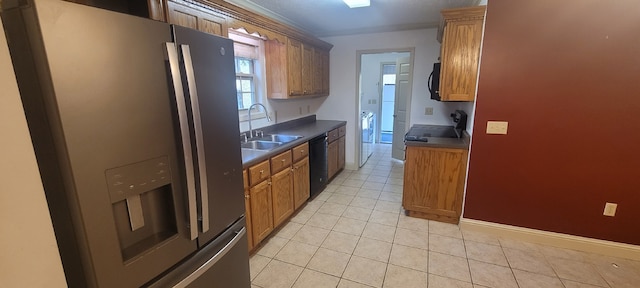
[358, 127]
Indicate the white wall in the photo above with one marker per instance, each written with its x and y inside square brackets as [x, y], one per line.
[28, 250]
[342, 102]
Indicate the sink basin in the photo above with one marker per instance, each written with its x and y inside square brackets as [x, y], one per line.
[260, 144]
[281, 138]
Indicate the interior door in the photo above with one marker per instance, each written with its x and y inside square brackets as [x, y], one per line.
[400, 111]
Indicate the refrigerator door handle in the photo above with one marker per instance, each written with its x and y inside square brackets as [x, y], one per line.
[197, 125]
[211, 262]
[186, 138]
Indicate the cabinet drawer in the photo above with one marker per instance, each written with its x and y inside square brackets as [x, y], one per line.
[259, 172]
[332, 135]
[280, 162]
[342, 131]
[300, 152]
[245, 177]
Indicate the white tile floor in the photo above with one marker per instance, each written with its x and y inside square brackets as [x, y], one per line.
[354, 234]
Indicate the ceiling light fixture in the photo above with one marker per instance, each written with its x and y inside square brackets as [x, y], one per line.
[357, 3]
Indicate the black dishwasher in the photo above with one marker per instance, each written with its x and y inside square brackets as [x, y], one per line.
[318, 164]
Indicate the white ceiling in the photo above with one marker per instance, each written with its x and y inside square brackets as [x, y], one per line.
[333, 17]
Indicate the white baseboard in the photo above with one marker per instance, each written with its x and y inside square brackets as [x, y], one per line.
[604, 247]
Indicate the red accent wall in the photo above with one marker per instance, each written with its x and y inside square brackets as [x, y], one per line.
[566, 76]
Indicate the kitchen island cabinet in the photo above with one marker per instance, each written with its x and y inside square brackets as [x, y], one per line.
[434, 182]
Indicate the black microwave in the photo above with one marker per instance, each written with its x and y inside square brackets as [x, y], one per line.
[434, 82]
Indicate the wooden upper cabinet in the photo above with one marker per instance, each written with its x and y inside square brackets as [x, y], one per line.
[317, 71]
[461, 40]
[325, 73]
[156, 10]
[294, 64]
[195, 17]
[307, 70]
[296, 69]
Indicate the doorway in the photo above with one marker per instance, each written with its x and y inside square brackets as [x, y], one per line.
[377, 72]
[387, 101]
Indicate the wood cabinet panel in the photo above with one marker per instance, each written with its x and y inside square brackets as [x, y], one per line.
[259, 172]
[434, 183]
[307, 70]
[332, 159]
[281, 161]
[294, 63]
[300, 151]
[247, 209]
[332, 135]
[195, 17]
[341, 152]
[261, 211]
[301, 185]
[325, 73]
[317, 72]
[460, 53]
[282, 191]
[156, 10]
[296, 70]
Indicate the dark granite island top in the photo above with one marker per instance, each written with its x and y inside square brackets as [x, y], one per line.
[307, 127]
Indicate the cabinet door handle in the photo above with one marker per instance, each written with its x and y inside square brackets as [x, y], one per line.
[261, 172]
[283, 160]
[301, 151]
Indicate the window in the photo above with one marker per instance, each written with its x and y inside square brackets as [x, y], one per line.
[245, 82]
[247, 54]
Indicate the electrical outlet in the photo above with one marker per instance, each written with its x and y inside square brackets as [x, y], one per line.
[497, 127]
[428, 110]
[610, 209]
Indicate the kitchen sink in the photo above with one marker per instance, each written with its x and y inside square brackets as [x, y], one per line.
[260, 144]
[281, 138]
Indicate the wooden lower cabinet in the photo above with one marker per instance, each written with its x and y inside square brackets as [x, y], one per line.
[261, 211]
[301, 188]
[336, 151]
[434, 183]
[247, 209]
[282, 191]
[341, 152]
[332, 159]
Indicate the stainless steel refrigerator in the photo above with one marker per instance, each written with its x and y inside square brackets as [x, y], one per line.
[135, 127]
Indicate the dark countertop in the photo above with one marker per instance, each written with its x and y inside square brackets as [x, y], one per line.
[307, 127]
[440, 142]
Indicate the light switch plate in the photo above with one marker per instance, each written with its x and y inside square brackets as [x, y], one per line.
[497, 127]
[610, 209]
[428, 110]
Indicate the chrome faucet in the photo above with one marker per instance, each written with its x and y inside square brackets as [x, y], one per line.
[249, 112]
